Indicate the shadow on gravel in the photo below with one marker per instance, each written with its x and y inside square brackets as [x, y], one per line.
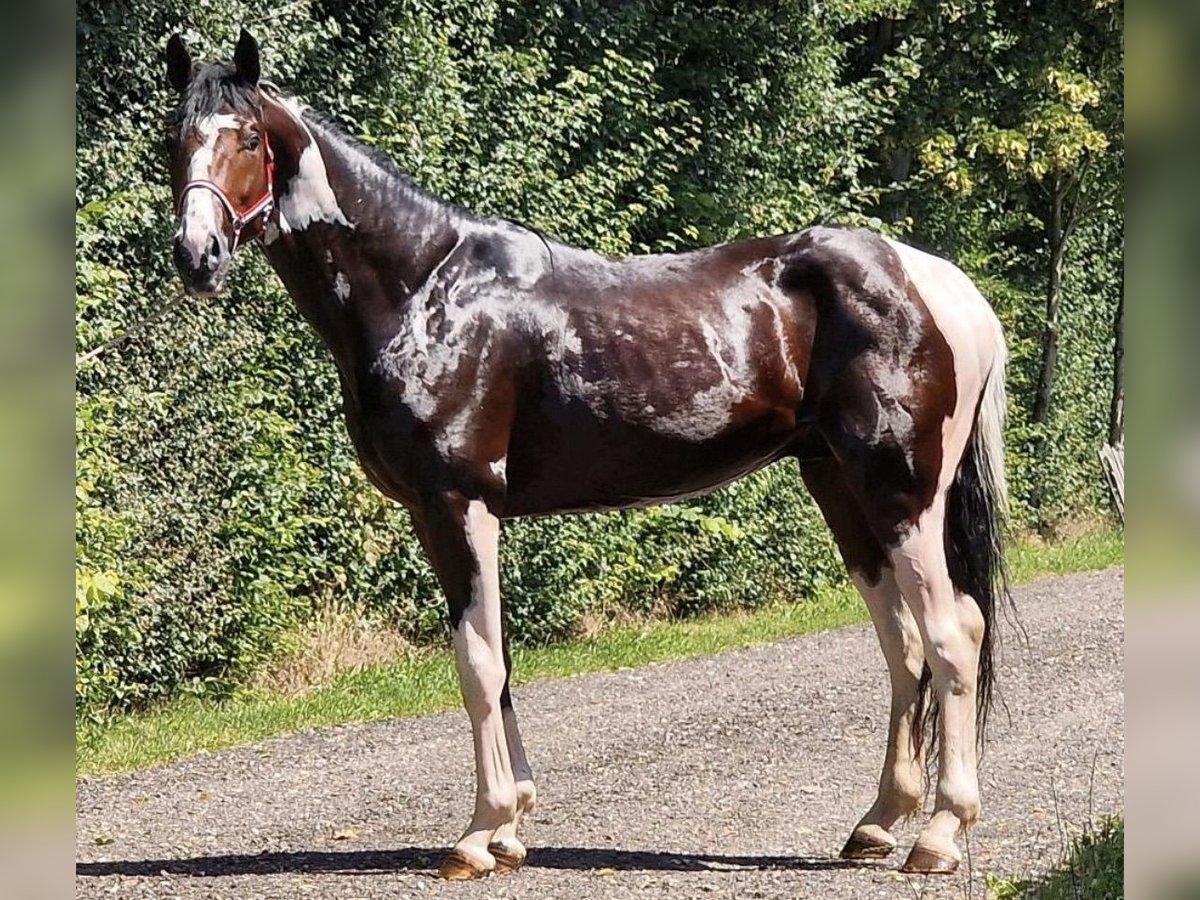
[425, 859]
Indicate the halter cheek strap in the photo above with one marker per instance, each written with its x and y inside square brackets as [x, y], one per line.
[239, 217]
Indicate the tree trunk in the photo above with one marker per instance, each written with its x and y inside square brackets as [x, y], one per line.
[1057, 237]
[1116, 413]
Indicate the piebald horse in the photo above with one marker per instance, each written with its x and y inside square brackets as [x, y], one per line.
[489, 372]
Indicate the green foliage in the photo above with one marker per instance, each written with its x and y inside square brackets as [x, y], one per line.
[1093, 868]
[1001, 113]
[218, 499]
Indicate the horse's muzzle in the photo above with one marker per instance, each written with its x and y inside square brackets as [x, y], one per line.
[202, 269]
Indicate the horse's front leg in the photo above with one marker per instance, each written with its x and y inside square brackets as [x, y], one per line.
[505, 846]
[462, 538]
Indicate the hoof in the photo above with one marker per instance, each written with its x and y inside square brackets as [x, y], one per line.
[865, 845]
[510, 856]
[924, 861]
[457, 866]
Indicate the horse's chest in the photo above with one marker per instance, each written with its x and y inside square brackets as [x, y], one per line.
[414, 414]
[378, 443]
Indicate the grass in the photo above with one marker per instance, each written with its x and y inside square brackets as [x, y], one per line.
[1093, 869]
[424, 681]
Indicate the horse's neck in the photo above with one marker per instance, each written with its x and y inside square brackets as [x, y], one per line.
[352, 243]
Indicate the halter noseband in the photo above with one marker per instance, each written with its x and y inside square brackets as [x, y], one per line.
[240, 218]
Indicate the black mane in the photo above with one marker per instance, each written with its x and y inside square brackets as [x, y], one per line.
[327, 123]
[216, 88]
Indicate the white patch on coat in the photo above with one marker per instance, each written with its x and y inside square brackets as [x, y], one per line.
[438, 336]
[708, 412]
[309, 196]
[973, 333]
[341, 287]
[529, 258]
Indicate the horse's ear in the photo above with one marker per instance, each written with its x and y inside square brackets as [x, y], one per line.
[245, 57]
[179, 64]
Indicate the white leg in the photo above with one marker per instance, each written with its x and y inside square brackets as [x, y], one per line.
[467, 564]
[505, 846]
[951, 627]
[900, 780]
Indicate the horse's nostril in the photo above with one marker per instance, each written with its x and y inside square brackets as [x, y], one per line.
[183, 258]
[196, 264]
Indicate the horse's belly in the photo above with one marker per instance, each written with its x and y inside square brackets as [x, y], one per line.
[622, 466]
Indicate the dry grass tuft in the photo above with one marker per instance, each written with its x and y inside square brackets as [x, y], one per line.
[596, 621]
[1071, 528]
[336, 641]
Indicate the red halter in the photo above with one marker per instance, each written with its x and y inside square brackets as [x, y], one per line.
[240, 218]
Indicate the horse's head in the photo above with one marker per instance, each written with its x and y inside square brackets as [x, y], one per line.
[222, 165]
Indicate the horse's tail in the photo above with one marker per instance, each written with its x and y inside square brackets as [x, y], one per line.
[976, 510]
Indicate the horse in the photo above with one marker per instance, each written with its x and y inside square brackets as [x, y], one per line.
[489, 372]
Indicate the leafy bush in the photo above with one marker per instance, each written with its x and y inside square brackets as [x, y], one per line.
[218, 500]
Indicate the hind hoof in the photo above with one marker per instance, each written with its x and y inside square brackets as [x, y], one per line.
[868, 843]
[510, 855]
[457, 866]
[924, 861]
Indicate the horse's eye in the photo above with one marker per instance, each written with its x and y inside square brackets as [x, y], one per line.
[252, 142]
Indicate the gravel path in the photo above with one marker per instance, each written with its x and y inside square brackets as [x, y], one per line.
[737, 775]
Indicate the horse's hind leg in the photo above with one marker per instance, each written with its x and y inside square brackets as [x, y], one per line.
[950, 624]
[900, 780]
[505, 846]
[952, 629]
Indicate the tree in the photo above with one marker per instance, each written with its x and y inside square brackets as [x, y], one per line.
[1006, 154]
[1116, 411]
[1032, 116]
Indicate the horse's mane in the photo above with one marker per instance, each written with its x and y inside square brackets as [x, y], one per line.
[334, 128]
[381, 160]
[214, 88]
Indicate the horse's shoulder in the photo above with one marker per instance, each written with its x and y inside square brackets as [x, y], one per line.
[500, 253]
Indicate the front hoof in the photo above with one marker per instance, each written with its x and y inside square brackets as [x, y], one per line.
[510, 855]
[457, 866]
[925, 861]
[868, 842]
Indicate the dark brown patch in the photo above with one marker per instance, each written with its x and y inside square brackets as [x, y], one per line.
[882, 382]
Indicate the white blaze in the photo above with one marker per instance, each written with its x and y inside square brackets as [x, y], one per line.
[200, 213]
